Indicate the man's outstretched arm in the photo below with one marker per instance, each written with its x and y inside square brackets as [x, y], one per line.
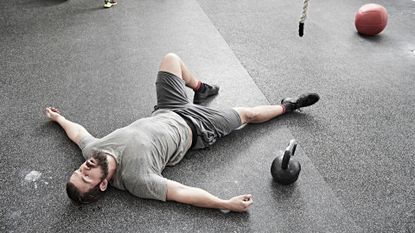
[74, 130]
[201, 198]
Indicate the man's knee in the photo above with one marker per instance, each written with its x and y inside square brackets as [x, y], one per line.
[247, 114]
[171, 64]
[251, 115]
[170, 57]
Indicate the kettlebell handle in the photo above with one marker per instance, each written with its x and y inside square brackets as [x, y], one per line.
[289, 151]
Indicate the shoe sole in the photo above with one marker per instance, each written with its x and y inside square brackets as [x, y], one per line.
[109, 6]
[199, 101]
[307, 100]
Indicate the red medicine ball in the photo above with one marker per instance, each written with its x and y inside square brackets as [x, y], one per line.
[371, 19]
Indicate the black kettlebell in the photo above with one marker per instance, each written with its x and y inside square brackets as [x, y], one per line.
[284, 169]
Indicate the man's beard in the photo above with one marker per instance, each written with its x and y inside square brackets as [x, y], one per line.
[102, 162]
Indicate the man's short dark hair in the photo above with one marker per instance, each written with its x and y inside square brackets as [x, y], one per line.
[83, 198]
[95, 193]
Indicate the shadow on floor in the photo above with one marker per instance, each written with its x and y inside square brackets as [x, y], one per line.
[43, 3]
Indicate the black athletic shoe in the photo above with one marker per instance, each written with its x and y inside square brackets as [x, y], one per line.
[205, 92]
[303, 100]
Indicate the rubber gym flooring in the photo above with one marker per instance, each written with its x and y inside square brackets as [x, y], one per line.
[99, 66]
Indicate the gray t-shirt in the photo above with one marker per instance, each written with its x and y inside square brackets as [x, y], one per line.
[142, 150]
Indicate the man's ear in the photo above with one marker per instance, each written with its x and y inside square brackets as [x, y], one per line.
[103, 185]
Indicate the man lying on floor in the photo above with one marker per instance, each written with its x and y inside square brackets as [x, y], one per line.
[132, 158]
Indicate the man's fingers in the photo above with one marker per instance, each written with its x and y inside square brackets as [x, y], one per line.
[52, 109]
[247, 201]
[246, 206]
[246, 197]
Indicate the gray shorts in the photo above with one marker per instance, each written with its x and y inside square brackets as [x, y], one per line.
[210, 123]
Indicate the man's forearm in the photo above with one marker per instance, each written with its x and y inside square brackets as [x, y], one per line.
[201, 198]
[72, 129]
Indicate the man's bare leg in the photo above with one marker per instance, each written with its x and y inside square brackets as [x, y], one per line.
[259, 114]
[265, 113]
[173, 64]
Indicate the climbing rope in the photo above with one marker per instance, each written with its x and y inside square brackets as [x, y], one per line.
[302, 18]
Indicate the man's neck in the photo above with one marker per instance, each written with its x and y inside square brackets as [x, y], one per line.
[112, 166]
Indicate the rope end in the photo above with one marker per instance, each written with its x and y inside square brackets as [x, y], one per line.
[301, 29]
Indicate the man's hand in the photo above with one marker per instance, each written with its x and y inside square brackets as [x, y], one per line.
[52, 113]
[240, 203]
[74, 130]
